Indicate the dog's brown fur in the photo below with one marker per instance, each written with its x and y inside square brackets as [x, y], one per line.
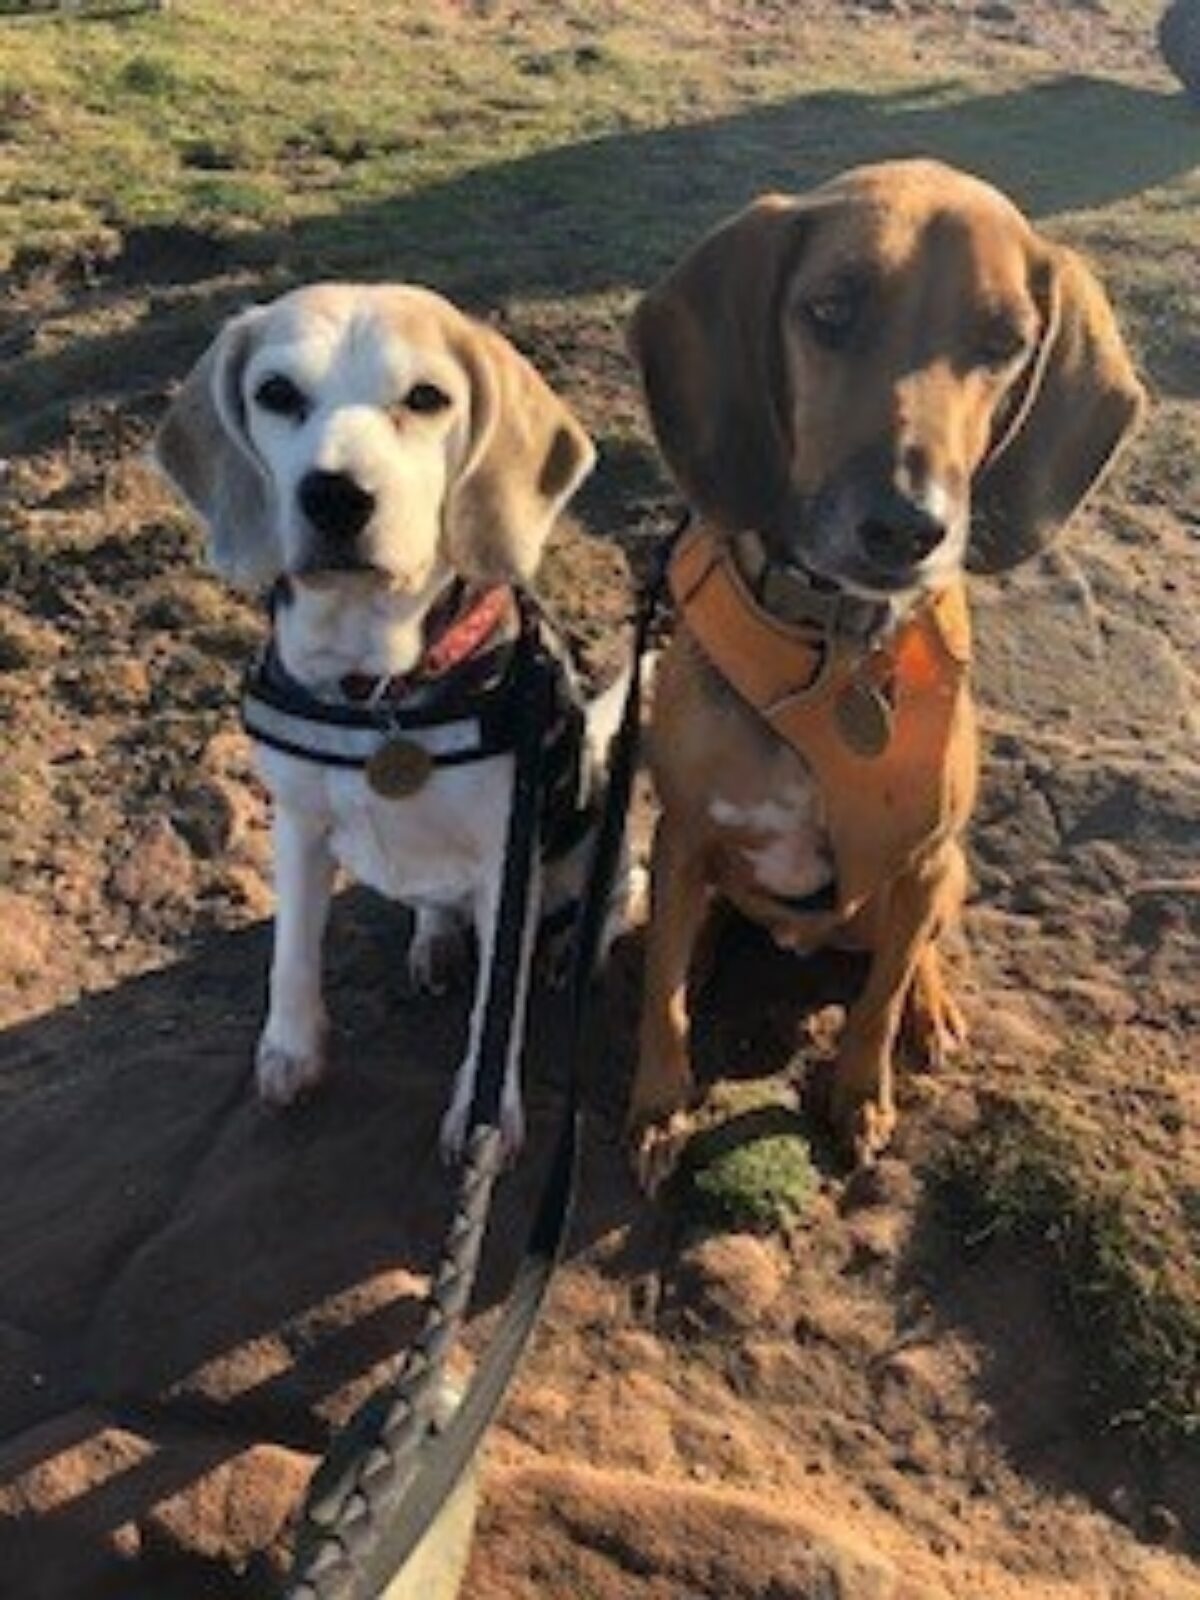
[759, 420]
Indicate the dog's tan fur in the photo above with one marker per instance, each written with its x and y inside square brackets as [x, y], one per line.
[761, 423]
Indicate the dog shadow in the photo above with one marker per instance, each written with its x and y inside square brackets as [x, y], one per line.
[187, 1268]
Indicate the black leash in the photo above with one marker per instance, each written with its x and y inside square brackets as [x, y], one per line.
[388, 1475]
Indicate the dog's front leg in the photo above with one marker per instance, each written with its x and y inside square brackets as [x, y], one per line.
[663, 1086]
[293, 1049]
[917, 906]
[512, 1116]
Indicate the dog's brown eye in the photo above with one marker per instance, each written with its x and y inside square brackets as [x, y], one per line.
[280, 395]
[426, 398]
[831, 317]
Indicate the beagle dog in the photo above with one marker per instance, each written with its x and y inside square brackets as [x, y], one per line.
[390, 470]
[864, 392]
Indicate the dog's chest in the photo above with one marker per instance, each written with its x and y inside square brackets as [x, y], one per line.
[435, 846]
[732, 783]
[774, 843]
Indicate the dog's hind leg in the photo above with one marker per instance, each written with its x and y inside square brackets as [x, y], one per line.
[934, 1028]
[439, 952]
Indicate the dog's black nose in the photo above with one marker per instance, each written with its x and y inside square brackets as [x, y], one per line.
[335, 504]
[898, 532]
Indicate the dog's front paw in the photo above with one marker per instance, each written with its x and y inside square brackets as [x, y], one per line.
[660, 1119]
[863, 1122]
[284, 1075]
[452, 1140]
[656, 1148]
[439, 953]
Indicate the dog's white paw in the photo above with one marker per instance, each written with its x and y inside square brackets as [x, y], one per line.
[439, 953]
[283, 1076]
[453, 1138]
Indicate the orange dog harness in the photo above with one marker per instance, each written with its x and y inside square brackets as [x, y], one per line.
[874, 722]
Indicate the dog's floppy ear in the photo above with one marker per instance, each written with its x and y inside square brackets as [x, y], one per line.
[1081, 401]
[205, 451]
[709, 343]
[527, 456]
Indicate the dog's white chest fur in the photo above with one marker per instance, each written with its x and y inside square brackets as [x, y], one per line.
[781, 840]
[430, 848]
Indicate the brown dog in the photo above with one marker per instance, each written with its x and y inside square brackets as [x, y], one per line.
[862, 392]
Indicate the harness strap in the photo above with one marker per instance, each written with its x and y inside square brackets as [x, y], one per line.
[882, 806]
[470, 716]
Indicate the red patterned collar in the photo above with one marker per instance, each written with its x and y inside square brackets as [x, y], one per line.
[457, 628]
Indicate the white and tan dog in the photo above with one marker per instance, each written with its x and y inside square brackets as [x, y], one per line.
[371, 452]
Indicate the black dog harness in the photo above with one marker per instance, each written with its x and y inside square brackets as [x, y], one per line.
[468, 713]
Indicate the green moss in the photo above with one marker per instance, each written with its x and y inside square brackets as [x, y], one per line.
[760, 1186]
[1030, 1172]
[750, 1166]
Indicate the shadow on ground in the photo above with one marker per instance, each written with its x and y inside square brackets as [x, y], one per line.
[603, 216]
[193, 1281]
[188, 1275]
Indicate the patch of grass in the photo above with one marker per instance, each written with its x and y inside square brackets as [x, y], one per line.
[760, 1186]
[354, 104]
[1031, 1172]
[751, 1168]
[148, 75]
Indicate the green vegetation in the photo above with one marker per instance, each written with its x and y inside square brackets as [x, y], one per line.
[762, 1185]
[750, 1166]
[1122, 1243]
[541, 161]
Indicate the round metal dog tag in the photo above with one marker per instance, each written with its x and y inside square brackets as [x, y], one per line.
[864, 719]
[399, 768]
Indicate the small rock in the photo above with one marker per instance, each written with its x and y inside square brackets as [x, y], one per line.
[248, 889]
[119, 683]
[917, 1369]
[876, 1238]
[26, 641]
[1164, 1527]
[27, 936]
[730, 1281]
[158, 869]
[888, 1182]
[1121, 1504]
[1090, 1001]
[227, 755]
